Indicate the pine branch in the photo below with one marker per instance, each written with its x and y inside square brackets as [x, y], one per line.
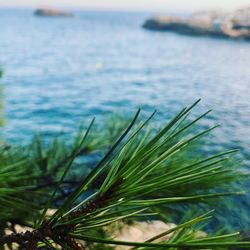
[136, 176]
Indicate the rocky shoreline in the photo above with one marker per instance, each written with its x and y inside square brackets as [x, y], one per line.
[208, 23]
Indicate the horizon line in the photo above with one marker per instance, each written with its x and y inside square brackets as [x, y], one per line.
[78, 8]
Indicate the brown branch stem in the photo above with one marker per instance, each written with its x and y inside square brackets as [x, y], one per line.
[59, 234]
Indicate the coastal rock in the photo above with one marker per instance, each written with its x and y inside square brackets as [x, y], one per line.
[138, 231]
[241, 18]
[47, 12]
[210, 23]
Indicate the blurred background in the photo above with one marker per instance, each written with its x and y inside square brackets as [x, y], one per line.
[63, 61]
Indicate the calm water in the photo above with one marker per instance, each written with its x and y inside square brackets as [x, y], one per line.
[58, 71]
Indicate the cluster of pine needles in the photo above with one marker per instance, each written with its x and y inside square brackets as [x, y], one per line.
[139, 177]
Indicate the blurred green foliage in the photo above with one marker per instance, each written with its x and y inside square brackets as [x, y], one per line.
[1, 101]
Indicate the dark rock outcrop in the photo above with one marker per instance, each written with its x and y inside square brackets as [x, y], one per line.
[47, 12]
[212, 23]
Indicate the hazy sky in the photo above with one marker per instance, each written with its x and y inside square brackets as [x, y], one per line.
[158, 5]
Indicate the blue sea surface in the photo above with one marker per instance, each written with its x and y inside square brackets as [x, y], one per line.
[58, 71]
